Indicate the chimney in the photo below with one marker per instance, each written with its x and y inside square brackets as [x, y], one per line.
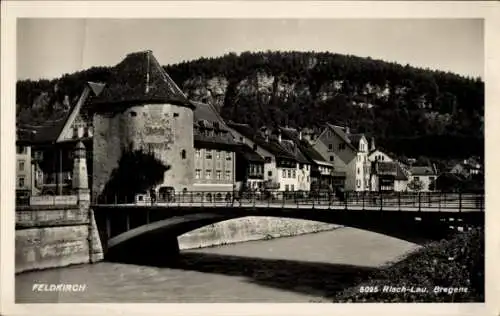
[434, 168]
[347, 131]
[300, 135]
[372, 144]
[279, 136]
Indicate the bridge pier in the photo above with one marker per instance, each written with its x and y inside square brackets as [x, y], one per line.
[153, 249]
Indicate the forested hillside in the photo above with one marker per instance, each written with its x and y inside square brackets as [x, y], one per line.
[410, 111]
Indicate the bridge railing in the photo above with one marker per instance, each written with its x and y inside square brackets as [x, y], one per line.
[440, 201]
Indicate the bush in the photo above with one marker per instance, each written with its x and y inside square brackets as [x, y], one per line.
[455, 263]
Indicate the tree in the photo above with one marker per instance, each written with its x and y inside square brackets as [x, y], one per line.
[416, 185]
[137, 172]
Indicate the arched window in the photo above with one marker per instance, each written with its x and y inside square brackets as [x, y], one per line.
[183, 154]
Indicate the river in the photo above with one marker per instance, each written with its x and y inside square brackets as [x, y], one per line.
[300, 269]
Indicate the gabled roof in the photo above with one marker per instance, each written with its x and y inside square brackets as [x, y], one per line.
[271, 145]
[400, 173]
[249, 154]
[340, 132]
[307, 149]
[355, 139]
[140, 78]
[209, 127]
[51, 131]
[421, 171]
[294, 150]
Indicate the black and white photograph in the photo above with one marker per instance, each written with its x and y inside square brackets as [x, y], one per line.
[247, 160]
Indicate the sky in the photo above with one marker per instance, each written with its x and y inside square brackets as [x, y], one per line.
[48, 48]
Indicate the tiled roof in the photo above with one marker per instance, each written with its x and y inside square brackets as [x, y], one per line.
[271, 145]
[294, 150]
[340, 132]
[421, 171]
[209, 127]
[47, 133]
[304, 146]
[400, 174]
[140, 78]
[249, 154]
[355, 138]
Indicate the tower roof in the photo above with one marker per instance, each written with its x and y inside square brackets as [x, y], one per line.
[140, 78]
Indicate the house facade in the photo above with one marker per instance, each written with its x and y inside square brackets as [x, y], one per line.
[214, 151]
[422, 179]
[386, 173]
[348, 153]
[49, 148]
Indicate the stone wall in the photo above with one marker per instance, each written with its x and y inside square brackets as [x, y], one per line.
[164, 128]
[248, 229]
[55, 236]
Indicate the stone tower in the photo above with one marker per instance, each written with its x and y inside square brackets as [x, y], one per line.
[142, 108]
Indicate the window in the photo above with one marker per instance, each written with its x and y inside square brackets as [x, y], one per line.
[217, 154]
[198, 153]
[133, 113]
[289, 173]
[358, 171]
[219, 175]
[431, 179]
[416, 178]
[228, 156]
[176, 114]
[284, 173]
[198, 173]
[330, 147]
[286, 187]
[21, 150]
[208, 174]
[228, 175]
[331, 158]
[208, 154]
[292, 187]
[269, 173]
[358, 183]
[183, 154]
[21, 165]
[268, 159]
[308, 179]
[342, 146]
[293, 174]
[20, 182]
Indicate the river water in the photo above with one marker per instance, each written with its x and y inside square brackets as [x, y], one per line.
[301, 269]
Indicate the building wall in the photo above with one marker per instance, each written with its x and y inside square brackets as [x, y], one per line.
[426, 181]
[346, 154]
[304, 178]
[270, 169]
[377, 155]
[287, 177]
[23, 168]
[214, 169]
[400, 185]
[165, 129]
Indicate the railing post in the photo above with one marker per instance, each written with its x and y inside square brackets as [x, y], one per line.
[439, 203]
[346, 197]
[381, 201]
[283, 199]
[419, 204]
[253, 197]
[399, 201]
[363, 200]
[460, 202]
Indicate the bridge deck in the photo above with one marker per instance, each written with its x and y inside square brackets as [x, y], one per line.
[424, 207]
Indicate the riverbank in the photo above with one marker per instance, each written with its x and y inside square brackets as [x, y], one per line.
[446, 271]
[249, 228]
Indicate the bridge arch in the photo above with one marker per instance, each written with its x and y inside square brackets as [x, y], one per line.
[399, 225]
